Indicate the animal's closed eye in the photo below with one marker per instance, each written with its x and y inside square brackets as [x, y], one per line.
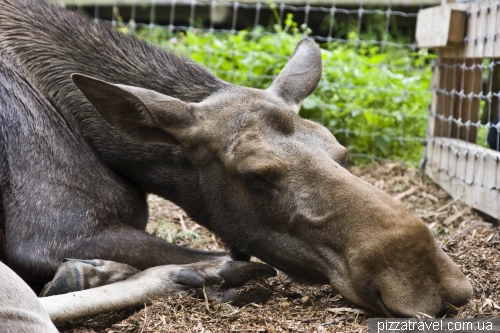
[255, 182]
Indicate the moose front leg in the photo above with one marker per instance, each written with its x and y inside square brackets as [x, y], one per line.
[118, 252]
[80, 274]
[155, 283]
[124, 244]
[119, 243]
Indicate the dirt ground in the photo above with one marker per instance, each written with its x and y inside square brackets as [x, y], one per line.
[470, 238]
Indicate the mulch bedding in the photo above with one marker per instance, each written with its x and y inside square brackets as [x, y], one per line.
[470, 238]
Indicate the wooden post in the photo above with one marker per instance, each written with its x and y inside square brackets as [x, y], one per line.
[442, 26]
[468, 108]
[447, 76]
[457, 97]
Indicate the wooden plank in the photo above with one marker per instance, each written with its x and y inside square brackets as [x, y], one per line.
[456, 96]
[328, 3]
[441, 26]
[432, 122]
[468, 107]
[482, 32]
[466, 171]
[446, 102]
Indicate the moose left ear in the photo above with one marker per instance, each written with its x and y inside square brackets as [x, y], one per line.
[141, 114]
[300, 76]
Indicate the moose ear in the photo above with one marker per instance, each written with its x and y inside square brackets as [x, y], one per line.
[300, 76]
[141, 114]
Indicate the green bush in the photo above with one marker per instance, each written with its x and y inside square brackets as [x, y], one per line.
[373, 98]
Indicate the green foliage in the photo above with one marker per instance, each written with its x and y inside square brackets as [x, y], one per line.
[372, 97]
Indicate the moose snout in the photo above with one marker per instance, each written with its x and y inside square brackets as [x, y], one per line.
[430, 302]
[406, 275]
[446, 289]
[460, 295]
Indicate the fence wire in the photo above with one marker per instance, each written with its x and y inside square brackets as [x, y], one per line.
[374, 92]
[464, 129]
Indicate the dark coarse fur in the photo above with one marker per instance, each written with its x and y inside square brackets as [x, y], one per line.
[98, 202]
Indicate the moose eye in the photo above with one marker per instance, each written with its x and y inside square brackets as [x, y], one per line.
[255, 182]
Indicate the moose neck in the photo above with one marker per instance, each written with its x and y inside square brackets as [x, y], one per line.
[50, 44]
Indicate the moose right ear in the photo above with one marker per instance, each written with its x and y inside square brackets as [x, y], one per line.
[300, 76]
[141, 114]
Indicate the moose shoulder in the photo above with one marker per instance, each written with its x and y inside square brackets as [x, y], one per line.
[240, 161]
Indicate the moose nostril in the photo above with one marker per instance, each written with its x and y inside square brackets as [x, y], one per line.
[460, 299]
[459, 295]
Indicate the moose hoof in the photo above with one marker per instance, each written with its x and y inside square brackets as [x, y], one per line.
[235, 273]
[80, 274]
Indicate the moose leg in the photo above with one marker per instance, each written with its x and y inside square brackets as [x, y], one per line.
[124, 244]
[122, 251]
[152, 284]
[119, 243]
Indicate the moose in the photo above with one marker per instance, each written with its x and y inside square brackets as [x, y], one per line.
[93, 120]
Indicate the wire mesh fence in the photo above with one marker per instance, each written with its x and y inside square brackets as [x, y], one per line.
[374, 93]
[463, 136]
